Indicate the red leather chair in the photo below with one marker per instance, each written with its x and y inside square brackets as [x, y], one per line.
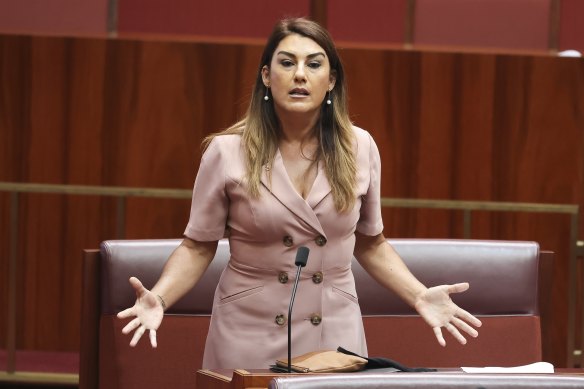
[504, 288]
[503, 292]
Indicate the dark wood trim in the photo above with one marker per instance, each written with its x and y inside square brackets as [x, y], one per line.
[12, 288]
[319, 12]
[410, 23]
[112, 18]
[90, 310]
[554, 27]
[545, 305]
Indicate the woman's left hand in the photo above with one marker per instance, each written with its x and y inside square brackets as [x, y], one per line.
[438, 310]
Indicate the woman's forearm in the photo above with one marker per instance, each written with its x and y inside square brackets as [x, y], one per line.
[184, 268]
[384, 264]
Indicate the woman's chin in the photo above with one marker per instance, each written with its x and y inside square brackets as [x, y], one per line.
[298, 108]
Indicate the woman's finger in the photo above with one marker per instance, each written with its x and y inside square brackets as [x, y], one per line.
[462, 325]
[464, 315]
[439, 336]
[138, 287]
[454, 332]
[126, 313]
[137, 335]
[458, 288]
[131, 326]
[153, 338]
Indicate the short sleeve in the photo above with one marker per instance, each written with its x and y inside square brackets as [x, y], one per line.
[370, 222]
[210, 204]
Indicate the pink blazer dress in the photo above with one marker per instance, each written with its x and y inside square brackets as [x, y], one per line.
[249, 321]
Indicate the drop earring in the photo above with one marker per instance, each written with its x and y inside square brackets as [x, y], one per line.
[328, 100]
[266, 97]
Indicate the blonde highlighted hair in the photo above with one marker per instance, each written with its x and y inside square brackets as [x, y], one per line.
[260, 127]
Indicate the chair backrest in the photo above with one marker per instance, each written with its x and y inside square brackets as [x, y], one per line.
[503, 277]
[513, 265]
[503, 292]
[145, 259]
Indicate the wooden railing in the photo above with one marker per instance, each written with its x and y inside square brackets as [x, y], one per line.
[122, 193]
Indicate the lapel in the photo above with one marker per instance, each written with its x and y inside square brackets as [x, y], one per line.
[281, 188]
[320, 188]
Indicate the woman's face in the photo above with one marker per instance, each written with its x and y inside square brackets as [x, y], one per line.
[299, 75]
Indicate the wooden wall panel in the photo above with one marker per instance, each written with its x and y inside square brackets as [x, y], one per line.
[518, 24]
[133, 113]
[71, 17]
[436, 112]
[477, 127]
[14, 97]
[217, 18]
[510, 25]
[203, 90]
[63, 113]
[11, 147]
[4, 269]
[75, 127]
[372, 21]
[571, 26]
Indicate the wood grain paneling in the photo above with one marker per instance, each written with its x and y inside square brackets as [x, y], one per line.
[133, 113]
[477, 127]
[4, 267]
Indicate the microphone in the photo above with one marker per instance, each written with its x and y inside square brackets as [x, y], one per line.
[300, 262]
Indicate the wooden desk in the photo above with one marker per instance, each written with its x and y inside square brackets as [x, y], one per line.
[240, 378]
[260, 379]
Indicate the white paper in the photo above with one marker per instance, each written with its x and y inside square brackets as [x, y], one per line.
[537, 367]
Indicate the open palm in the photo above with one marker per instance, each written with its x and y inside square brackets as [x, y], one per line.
[438, 310]
[147, 313]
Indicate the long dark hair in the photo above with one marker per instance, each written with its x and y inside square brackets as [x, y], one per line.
[260, 127]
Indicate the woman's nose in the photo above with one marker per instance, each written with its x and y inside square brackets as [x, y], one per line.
[300, 75]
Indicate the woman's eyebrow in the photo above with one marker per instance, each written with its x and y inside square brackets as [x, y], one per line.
[310, 56]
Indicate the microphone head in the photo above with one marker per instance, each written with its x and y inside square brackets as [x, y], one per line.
[302, 256]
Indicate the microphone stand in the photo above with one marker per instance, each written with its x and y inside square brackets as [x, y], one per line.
[301, 258]
[290, 319]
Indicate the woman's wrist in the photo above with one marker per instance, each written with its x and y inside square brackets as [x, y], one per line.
[419, 296]
[162, 302]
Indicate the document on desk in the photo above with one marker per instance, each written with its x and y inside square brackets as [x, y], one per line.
[537, 367]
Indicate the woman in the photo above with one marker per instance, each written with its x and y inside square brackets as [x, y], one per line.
[294, 172]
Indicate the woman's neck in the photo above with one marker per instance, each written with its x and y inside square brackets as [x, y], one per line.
[297, 127]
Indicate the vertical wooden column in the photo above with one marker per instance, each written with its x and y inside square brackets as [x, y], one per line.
[554, 28]
[318, 11]
[410, 23]
[112, 18]
[575, 284]
[12, 274]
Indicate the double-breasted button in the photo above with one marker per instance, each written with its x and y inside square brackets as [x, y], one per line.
[315, 319]
[280, 320]
[283, 277]
[317, 277]
[288, 241]
[320, 240]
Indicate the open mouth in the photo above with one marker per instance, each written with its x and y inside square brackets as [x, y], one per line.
[298, 92]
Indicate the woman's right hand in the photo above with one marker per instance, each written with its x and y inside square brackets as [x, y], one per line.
[147, 312]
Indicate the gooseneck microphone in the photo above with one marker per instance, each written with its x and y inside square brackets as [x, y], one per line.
[301, 258]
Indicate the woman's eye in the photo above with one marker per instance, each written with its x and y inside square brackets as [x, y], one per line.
[287, 63]
[314, 65]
